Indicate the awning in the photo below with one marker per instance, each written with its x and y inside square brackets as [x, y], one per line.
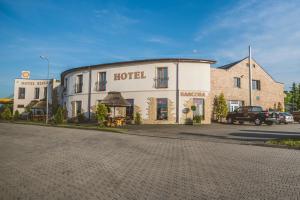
[115, 99]
[40, 105]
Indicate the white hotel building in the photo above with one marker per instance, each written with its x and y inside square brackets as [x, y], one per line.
[159, 89]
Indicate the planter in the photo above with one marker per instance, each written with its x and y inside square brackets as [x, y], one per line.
[188, 121]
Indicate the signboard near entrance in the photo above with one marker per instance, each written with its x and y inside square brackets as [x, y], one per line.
[193, 94]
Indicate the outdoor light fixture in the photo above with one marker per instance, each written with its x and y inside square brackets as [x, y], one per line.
[47, 99]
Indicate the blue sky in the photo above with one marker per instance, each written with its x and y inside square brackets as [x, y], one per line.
[76, 33]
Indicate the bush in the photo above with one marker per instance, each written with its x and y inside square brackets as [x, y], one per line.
[16, 115]
[6, 114]
[221, 109]
[137, 119]
[197, 118]
[59, 116]
[101, 114]
[80, 117]
[193, 108]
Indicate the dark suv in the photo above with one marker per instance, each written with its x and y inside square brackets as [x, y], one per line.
[253, 114]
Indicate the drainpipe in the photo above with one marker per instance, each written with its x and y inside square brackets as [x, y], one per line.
[177, 93]
[250, 78]
[89, 93]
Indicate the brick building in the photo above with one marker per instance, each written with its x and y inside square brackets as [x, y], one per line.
[233, 80]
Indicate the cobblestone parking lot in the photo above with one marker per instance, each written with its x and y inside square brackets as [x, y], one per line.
[58, 163]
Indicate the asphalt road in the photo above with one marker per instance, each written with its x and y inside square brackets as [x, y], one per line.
[58, 163]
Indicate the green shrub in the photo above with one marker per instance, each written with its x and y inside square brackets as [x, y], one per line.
[80, 117]
[101, 114]
[6, 114]
[16, 115]
[197, 118]
[137, 119]
[221, 109]
[193, 108]
[59, 116]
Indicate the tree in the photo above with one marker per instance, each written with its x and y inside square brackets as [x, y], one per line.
[279, 107]
[101, 114]
[222, 109]
[298, 98]
[193, 108]
[274, 107]
[59, 116]
[137, 119]
[6, 114]
[16, 115]
[215, 106]
[294, 96]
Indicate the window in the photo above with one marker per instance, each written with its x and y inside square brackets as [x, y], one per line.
[130, 109]
[78, 84]
[45, 92]
[66, 83]
[162, 77]
[20, 106]
[162, 109]
[21, 93]
[256, 109]
[237, 82]
[36, 93]
[234, 104]
[101, 83]
[255, 84]
[76, 108]
[199, 103]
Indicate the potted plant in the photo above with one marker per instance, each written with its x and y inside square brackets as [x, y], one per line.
[197, 120]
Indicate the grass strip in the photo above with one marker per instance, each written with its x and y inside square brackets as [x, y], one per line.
[74, 126]
[291, 142]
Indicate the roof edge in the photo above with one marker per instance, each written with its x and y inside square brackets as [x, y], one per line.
[192, 60]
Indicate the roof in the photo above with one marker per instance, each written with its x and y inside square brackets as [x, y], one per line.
[115, 99]
[136, 62]
[228, 66]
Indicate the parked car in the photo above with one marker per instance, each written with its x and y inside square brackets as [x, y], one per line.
[254, 114]
[284, 117]
[296, 116]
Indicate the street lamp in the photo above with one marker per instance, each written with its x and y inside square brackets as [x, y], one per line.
[47, 101]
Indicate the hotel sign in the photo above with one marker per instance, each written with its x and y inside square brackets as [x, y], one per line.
[34, 83]
[129, 75]
[192, 94]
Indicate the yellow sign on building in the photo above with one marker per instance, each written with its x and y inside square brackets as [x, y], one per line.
[25, 74]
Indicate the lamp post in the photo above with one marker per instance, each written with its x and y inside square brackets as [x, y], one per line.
[47, 99]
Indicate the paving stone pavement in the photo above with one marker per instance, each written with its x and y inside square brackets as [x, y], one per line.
[58, 163]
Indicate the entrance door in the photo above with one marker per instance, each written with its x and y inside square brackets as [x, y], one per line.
[233, 105]
[199, 103]
[130, 110]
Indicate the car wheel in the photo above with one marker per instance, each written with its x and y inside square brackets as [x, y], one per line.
[257, 121]
[241, 122]
[229, 120]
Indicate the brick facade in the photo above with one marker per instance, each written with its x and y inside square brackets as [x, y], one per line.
[222, 80]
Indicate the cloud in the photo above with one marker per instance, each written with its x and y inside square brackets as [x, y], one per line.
[112, 20]
[271, 27]
[158, 40]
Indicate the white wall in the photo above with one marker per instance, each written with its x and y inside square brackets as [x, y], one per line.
[29, 86]
[194, 76]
